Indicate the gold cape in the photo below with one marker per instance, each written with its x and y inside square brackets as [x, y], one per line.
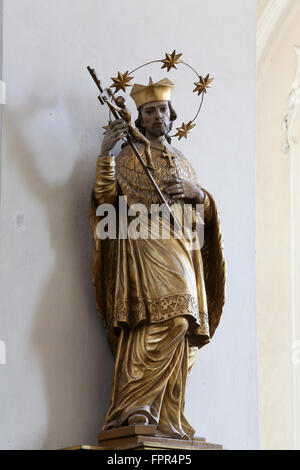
[130, 180]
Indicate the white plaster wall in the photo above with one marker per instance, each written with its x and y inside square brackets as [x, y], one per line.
[55, 386]
[276, 73]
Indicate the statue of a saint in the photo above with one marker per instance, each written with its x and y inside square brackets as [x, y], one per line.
[159, 299]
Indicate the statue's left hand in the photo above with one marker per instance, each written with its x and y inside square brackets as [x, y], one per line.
[178, 188]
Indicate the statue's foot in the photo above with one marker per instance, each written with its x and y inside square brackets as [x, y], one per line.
[138, 419]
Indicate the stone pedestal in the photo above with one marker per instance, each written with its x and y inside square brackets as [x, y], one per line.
[141, 437]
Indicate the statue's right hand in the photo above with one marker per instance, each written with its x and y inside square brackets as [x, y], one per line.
[117, 131]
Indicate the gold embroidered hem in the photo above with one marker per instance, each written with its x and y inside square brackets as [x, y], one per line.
[160, 310]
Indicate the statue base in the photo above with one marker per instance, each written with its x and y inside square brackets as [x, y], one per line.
[145, 437]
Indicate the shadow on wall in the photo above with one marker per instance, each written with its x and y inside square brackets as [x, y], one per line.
[67, 337]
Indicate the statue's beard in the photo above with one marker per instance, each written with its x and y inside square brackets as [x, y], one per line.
[160, 130]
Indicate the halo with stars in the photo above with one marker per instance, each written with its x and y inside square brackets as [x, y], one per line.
[122, 81]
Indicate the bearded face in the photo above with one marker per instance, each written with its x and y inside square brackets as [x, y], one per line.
[156, 118]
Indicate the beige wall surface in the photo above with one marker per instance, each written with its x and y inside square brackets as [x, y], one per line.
[260, 7]
[56, 381]
[275, 77]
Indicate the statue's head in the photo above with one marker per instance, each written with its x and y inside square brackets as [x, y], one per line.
[153, 102]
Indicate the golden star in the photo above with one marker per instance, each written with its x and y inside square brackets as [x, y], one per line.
[184, 130]
[203, 84]
[171, 60]
[121, 81]
[106, 127]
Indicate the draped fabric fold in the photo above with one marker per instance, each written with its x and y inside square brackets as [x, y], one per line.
[152, 367]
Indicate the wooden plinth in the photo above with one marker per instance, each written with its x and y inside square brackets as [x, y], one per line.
[142, 437]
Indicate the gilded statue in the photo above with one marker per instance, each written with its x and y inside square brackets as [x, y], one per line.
[160, 300]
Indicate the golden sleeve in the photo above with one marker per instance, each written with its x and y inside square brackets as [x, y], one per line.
[106, 187]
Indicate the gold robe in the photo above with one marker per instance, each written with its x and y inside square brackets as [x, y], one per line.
[144, 284]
